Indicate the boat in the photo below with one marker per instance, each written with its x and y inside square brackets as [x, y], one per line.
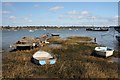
[26, 43]
[31, 31]
[36, 29]
[55, 34]
[118, 38]
[43, 58]
[89, 29]
[97, 29]
[117, 28]
[47, 42]
[8, 30]
[15, 30]
[44, 29]
[70, 29]
[104, 51]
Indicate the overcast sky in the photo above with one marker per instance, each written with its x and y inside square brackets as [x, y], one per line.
[59, 13]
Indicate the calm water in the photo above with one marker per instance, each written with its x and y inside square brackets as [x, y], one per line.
[106, 38]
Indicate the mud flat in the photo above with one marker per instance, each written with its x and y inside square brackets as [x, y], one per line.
[74, 60]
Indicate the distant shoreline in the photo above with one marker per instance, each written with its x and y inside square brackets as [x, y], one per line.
[47, 27]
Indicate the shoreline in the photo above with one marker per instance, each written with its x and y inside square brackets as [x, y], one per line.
[48, 28]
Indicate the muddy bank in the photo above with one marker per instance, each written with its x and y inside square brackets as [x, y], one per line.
[74, 60]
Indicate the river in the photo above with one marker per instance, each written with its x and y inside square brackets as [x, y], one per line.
[106, 38]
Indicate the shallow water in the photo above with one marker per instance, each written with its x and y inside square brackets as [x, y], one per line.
[55, 45]
[106, 38]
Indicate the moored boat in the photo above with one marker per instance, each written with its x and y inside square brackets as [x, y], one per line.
[97, 29]
[89, 29]
[117, 28]
[31, 30]
[70, 29]
[15, 30]
[26, 43]
[118, 38]
[44, 29]
[104, 51]
[55, 34]
[42, 58]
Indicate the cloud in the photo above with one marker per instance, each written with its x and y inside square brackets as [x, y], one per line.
[74, 12]
[116, 17]
[56, 8]
[77, 15]
[113, 19]
[71, 17]
[88, 18]
[5, 12]
[85, 13]
[27, 19]
[12, 17]
[7, 4]
[93, 17]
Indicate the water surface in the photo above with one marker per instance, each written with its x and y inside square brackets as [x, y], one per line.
[106, 38]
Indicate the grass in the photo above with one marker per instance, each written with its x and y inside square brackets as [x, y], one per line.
[73, 61]
[79, 38]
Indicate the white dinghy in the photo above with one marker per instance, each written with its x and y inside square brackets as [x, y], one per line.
[42, 58]
[104, 51]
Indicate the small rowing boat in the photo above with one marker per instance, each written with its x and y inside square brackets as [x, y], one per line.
[104, 51]
[42, 58]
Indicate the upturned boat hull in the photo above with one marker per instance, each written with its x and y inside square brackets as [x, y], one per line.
[42, 58]
[44, 62]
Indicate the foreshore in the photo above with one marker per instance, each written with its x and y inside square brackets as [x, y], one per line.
[74, 60]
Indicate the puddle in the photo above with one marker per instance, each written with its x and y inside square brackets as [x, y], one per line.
[114, 60]
[55, 45]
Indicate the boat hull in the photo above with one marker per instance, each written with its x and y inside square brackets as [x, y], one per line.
[104, 54]
[118, 38]
[95, 29]
[42, 58]
[44, 62]
[104, 51]
[55, 34]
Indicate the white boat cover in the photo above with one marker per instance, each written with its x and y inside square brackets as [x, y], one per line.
[42, 55]
[101, 48]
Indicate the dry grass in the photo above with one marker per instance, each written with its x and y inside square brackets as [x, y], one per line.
[73, 61]
[79, 38]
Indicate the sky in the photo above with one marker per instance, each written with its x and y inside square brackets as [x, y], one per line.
[59, 13]
[60, 0]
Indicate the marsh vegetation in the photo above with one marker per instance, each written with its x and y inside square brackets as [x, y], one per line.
[74, 60]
